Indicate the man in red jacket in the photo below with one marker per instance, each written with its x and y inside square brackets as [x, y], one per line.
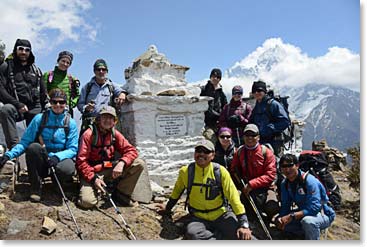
[97, 164]
[255, 165]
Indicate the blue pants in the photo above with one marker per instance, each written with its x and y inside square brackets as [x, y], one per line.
[309, 225]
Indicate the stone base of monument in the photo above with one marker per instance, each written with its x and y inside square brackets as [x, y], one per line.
[143, 192]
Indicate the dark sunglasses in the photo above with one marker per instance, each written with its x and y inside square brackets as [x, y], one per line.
[218, 77]
[202, 150]
[286, 165]
[23, 48]
[61, 102]
[251, 135]
[101, 69]
[225, 137]
[237, 93]
[257, 91]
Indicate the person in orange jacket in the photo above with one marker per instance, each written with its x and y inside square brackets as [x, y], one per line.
[98, 167]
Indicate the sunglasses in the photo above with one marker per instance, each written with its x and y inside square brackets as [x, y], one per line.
[23, 48]
[101, 69]
[257, 91]
[286, 165]
[225, 137]
[202, 150]
[237, 93]
[61, 102]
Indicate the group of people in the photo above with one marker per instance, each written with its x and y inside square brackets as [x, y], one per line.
[100, 154]
[235, 156]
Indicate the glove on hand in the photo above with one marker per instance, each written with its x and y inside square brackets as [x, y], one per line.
[53, 161]
[3, 160]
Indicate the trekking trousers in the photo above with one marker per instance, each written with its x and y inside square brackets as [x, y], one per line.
[126, 185]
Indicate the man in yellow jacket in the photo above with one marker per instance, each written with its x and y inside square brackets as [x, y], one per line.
[209, 215]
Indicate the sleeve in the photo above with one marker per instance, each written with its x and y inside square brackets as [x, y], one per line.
[181, 184]
[74, 100]
[231, 193]
[245, 118]
[5, 97]
[313, 198]
[281, 120]
[128, 152]
[28, 137]
[285, 206]
[71, 145]
[222, 118]
[82, 165]
[81, 102]
[43, 92]
[268, 177]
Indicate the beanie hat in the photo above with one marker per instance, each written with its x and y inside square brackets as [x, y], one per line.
[100, 63]
[237, 90]
[66, 54]
[258, 86]
[216, 73]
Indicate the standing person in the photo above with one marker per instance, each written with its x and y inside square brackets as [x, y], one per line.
[236, 115]
[51, 140]
[22, 90]
[98, 92]
[205, 199]
[224, 148]
[270, 117]
[213, 89]
[255, 164]
[59, 78]
[313, 214]
[97, 165]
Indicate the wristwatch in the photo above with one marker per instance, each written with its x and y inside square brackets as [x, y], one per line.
[293, 216]
[245, 225]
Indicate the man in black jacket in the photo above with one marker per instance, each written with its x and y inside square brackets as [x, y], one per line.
[213, 89]
[22, 90]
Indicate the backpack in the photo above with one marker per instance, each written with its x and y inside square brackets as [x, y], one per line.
[316, 163]
[44, 125]
[287, 135]
[213, 186]
[95, 137]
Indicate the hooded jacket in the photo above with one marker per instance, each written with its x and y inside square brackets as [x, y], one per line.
[235, 108]
[29, 84]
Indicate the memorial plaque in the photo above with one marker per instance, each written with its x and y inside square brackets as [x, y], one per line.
[171, 125]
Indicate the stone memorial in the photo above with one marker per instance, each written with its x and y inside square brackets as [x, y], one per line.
[164, 115]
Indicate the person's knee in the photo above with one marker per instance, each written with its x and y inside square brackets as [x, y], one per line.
[87, 204]
[193, 233]
[308, 222]
[138, 164]
[34, 148]
[6, 111]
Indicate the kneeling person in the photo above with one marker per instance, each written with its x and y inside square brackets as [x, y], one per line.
[206, 199]
[97, 165]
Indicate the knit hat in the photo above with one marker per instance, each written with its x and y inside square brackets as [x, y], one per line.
[100, 63]
[237, 90]
[66, 54]
[206, 144]
[216, 73]
[258, 86]
[224, 129]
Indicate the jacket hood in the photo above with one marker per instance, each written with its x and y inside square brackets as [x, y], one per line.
[23, 42]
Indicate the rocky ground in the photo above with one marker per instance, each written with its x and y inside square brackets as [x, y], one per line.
[21, 219]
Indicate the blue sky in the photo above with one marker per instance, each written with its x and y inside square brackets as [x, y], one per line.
[200, 34]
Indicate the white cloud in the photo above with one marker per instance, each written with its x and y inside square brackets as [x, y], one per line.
[45, 23]
[286, 65]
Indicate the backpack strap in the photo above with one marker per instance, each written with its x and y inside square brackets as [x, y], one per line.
[267, 109]
[190, 181]
[240, 150]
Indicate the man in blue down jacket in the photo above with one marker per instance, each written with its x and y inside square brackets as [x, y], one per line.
[312, 213]
[272, 123]
[56, 145]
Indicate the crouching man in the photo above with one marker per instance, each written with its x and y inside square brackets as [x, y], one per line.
[97, 165]
[313, 214]
[207, 185]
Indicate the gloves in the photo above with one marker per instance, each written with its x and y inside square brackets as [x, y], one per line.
[3, 160]
[234, 121]
[53, 161]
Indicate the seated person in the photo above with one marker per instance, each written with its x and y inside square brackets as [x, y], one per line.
[313, 214]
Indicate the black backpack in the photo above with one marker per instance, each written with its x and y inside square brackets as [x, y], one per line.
[287, 135]
[315, 162]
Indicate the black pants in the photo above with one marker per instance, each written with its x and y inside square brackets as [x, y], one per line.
[36, 159]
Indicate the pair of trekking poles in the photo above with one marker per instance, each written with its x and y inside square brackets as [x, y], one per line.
[66, 201]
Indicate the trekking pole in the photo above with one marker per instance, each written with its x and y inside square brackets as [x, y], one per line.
[79, 232]
[249, 198]
[117, 210]
[238, 137]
